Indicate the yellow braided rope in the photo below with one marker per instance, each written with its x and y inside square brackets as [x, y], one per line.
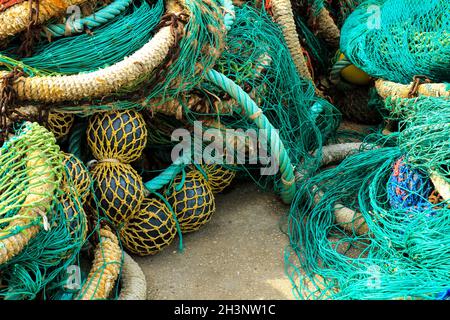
[391, 89]
[283, 15]
[325, 28]
[99, 83]
[17, 18]
[105, 268]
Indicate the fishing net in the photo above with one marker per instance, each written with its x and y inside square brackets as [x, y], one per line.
[258, 60]
[397, 40]
[150, 230]
[374, 227]
[108, 45]
[39, 238]
[402, 254]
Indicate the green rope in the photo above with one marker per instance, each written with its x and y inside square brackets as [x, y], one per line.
[254, 113]
[95, 20]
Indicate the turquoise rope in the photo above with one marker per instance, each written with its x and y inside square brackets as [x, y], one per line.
[256, 115]
[95, 20]
[230, 15]
[167, 175]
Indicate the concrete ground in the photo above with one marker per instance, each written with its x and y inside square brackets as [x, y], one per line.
[238, 255]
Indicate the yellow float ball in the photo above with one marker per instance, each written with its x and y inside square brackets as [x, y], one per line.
[219, 178]
[150, 230]
[59, 123]
[76, 175]
[354, 75]
[193, 203]
[117, 135]
[118, 189]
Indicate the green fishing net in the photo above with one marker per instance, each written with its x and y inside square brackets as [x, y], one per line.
[369, 228]
[38, 239]
[399, 39]
[403, 255]
[45, 235]
[107, 45]
[257, 59]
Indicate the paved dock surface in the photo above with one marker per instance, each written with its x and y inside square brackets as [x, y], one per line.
[238, 255]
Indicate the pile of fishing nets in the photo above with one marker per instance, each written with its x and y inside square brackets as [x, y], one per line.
[107, 86]
[139, 113]
[373, 222]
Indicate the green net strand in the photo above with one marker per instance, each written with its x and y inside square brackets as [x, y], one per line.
[404, 255]
[109, 44]
[399, 39]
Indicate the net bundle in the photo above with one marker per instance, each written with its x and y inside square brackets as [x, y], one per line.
[397, 187]
[85, 52]
[258, 60]
[402, 253]
[40, 237]
[397, 40]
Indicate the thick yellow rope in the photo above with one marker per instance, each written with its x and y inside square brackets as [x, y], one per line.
[99, 83]
[105, 268]
[325, 28]
[391, 89]
[17, 18]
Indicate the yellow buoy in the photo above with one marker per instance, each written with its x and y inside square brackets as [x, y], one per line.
[150, 230]
[193, 203]
[60, 123]
[219, 178]
[354, 75]
[118, 191]
[76, 175]
[117, 135]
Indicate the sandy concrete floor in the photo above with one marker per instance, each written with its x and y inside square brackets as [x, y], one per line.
[238, 255]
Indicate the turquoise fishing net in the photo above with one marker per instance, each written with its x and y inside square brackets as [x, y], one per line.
[404, 254]
[399, 39]
[30, 174]
[107, 45]
[256, 58]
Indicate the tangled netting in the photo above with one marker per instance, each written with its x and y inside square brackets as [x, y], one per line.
[39, 240]
[399, 39]
[44, 231]
[258, 60]
[403, 255]
[408, 188]
[109, 44]
[424, 136]
[397, 187]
